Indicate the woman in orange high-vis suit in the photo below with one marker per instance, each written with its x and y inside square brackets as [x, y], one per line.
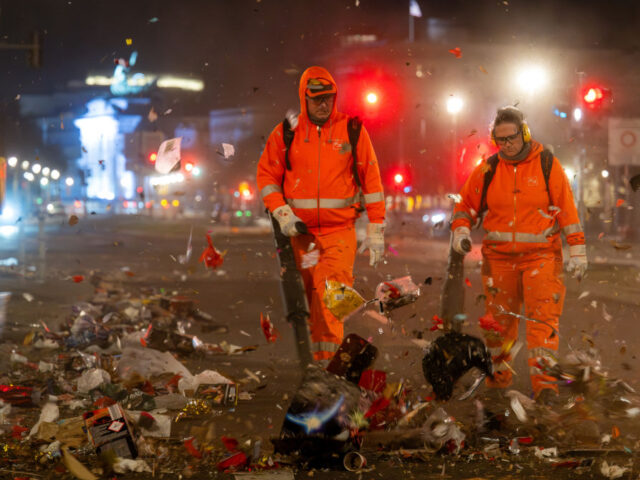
[320, 191]
[522, 249]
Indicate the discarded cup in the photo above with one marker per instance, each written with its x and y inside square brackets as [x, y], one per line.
[354, 461]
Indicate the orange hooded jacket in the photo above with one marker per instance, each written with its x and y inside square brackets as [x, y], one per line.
[519, 217]
[320, 187]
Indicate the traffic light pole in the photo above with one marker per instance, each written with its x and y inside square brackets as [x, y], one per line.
[35, 48]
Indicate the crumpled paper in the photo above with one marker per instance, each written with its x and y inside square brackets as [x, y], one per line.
[92, 378]
[124, 465]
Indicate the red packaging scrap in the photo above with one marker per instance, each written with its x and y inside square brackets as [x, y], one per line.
[373, 380]
[269, 330]
[109, 430]
[234, 461]
[16, 395]
[211, 257]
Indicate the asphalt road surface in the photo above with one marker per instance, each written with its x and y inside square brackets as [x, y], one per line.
[602, 311]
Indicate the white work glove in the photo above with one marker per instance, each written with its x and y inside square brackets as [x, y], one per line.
[577, 260]
[374, 242]
[460, 234]
[287, 220]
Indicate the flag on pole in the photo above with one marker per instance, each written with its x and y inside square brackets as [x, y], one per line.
[414, 9]
[168, 155]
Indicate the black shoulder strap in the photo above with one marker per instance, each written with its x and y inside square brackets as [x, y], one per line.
[546, 161]
[492, 161]
[354, 126]
[287, 136]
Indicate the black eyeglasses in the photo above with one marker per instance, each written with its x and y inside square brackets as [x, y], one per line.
[509, 138]
[320, 99]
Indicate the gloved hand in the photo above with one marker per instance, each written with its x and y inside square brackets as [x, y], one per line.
[287, 220]
[459, 235]
[577, 260]
[374, 242]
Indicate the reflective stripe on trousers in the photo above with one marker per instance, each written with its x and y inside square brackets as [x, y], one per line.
[324, 347]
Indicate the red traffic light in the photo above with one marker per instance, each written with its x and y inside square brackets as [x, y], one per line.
[153, 156]
[188, 166]
[594, 96]
[398, 179]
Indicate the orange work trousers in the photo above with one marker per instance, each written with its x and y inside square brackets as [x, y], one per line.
[535, 280]
[337, 255]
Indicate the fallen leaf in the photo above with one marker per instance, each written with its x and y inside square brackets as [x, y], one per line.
[620, 246]
[482, 69]
[73, 219]
[467, 282]
[77, 278]
[76, 468]
[619, 202]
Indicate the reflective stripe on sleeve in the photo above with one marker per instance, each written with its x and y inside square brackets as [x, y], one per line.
[517, 237]
[269, 189]
[373, 197]
[459, 215]
[322, 202]
[573, 228]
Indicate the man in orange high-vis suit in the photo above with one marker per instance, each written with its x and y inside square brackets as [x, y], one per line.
[320, 190]
[522, 249]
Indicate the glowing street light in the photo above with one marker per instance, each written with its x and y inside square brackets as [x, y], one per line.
[532, 79]
[196, 171]
[44, 181]
[12, 161]
[29, 176]
[605, 173]
[454, 104]
[68, 181]
[36, 167]
[55, 174]
[577, 114]
[46, 171]
[25, 164]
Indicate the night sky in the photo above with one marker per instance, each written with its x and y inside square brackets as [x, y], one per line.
[238, 45]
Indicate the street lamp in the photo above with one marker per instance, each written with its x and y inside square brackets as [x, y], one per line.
[12, 161]
[605, 173]
[454, 104]
[44, 181]
[36, 167]
[29, 176]
[46, 171]
[532, 78]
[69, 181]
[577, 114]
[24, 164]
[55, 174]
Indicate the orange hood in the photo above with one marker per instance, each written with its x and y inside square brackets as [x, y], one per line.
[314, 72]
